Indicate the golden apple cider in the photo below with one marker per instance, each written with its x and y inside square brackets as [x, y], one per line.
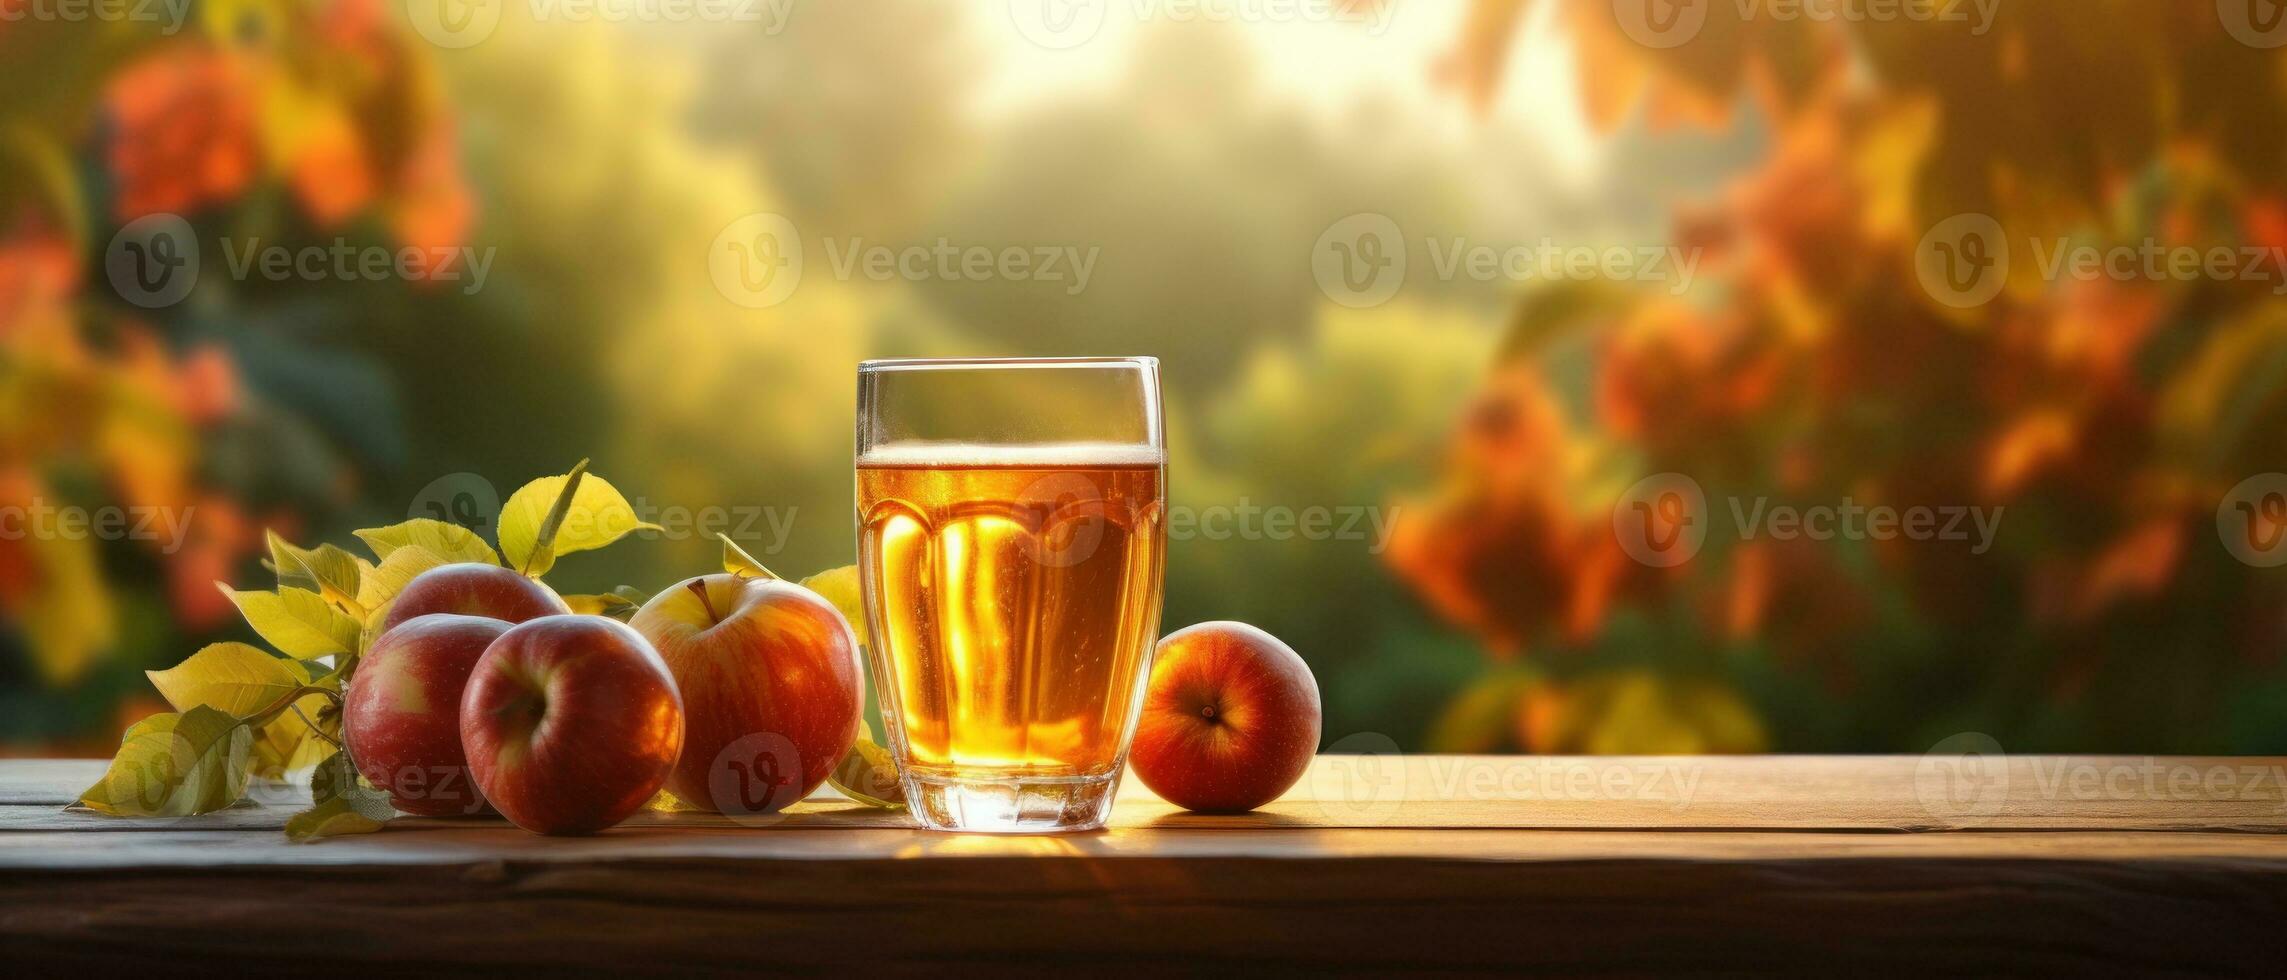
[1014, 597]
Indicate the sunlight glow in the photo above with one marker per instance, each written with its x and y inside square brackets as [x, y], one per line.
[1331, 68]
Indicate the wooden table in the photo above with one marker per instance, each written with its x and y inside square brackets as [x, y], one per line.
[1832, 865]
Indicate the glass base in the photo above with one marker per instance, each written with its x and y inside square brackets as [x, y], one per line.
[1012, 805]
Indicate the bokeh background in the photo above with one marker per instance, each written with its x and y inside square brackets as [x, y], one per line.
[1471, 436]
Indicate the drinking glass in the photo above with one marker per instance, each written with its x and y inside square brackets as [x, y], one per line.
[1011, 543]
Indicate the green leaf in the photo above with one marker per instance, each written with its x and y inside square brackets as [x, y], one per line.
[868, 775]
[326, 570]
[559, 515]
[237, 679]
[840, 587]
[450, 542]
[1550, 315]
[400, 567]
[298, 622]
[337, 779]
[341, 802]
[737, 562]
[334, 818]
[174, 765]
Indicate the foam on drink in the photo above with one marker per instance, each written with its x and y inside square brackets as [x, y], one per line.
[1058, 455]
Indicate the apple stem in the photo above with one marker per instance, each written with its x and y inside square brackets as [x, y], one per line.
[699, 585]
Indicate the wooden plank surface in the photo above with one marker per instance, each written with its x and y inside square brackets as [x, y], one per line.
[1371, 864]
[1841, 793]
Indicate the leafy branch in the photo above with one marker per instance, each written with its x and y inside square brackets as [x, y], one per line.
[242, 711]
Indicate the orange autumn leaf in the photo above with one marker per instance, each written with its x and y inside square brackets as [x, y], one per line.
[433, 207]
[2136, 565]
[2024, 449]
[1696, 76]
[1614, 75]
[327, 167]
[38, 273]
[205, 385]
[184, 131]
[1480, 54]
[1509, 549]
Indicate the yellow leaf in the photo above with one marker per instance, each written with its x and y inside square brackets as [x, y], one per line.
[588, 513]
[298, 622]
[1638, 712]
[868, 775]
[1727, 722]
[666, 802]
[840, 587]
[389, 578]
[234, 678]
[1889, 160]
[608, 604]
[336, 817]
[68, 619]
[368, 632]
[1639, 717]
[1482, 718]
[450, 542]
[326, 569]
[173, 765]
[288, 745]
[737, 562]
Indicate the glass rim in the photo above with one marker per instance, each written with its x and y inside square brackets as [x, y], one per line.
[879, 365]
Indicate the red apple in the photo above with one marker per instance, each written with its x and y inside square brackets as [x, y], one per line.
[473, 588]
[402, 716]
[1230, 719]
[571, 723]
[772, 689]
